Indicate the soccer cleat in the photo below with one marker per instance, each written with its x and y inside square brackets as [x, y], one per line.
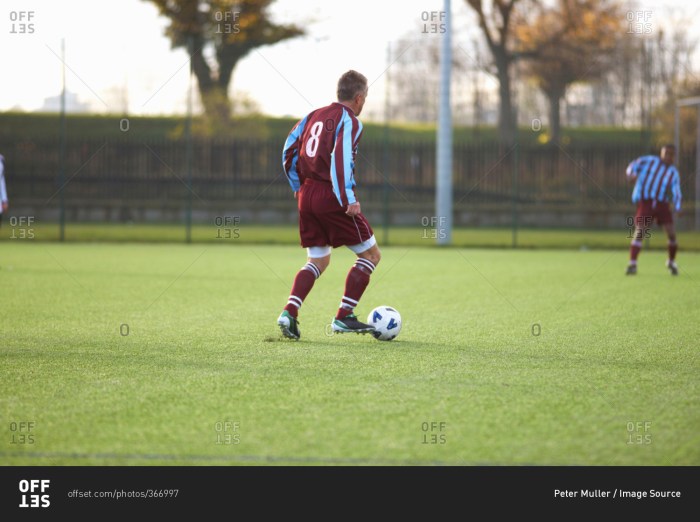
[350, 324]
[289, 325]
[631, 270]
[672, 267]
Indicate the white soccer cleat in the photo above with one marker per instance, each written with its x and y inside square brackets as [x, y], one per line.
[672, 267]
[289, 325]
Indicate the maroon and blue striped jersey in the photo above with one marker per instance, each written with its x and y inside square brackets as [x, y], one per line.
[322, 146]
[655, 181]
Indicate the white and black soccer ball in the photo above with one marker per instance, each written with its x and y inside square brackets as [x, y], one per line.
[386, 321]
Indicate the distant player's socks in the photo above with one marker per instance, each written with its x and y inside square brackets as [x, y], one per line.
[672, 249]
[355, 284]
[303, 283]
[635, 247]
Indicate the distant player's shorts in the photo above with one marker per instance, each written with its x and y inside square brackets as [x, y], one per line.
[322, 221]
[649, 211]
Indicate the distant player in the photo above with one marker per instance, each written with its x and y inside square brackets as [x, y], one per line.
[657, 186]
[4, 204]
[319, 161]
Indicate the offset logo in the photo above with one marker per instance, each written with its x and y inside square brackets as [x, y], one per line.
[34, 493]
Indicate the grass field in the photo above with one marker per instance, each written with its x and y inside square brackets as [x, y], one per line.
[162, 354]
[486, 237]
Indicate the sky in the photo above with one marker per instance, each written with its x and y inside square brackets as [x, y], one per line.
[119, 61]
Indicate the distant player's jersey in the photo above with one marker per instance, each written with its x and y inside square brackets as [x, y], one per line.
[322, 146]
[656, 181]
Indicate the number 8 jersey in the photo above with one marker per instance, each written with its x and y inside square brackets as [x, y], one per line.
[322, 147]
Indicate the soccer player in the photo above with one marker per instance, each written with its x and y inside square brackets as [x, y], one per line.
[3, 188]
[657, 185]
[319, 160]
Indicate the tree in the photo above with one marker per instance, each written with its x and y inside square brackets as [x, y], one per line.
[623, 74]
[570, 42]
[233, 28]
[495, 23]
[414, 78]
[673, 51]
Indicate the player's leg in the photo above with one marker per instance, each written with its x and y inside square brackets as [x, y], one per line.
[317, 262]
[357, 280]
[312, 235]
[355, 233]
[672, 247]
[642, 221]
[635, 248]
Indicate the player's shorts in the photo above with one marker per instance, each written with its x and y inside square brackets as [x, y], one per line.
[649, 211]
[322, 221]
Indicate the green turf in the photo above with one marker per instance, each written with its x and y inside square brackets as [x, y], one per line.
[289, 235]
[132, 353]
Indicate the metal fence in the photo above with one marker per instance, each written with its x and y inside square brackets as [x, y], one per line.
[138, 181]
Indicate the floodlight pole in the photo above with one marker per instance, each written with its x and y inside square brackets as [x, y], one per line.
[385, 159]
[62, 151]
[686, 102]
[443, 192]
[188, 146]
[697, 173]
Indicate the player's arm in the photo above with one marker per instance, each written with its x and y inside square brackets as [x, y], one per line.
[354, 209]
[631, 171]
[290, 155]
[676, 194]
[3, 190]
[343, 163]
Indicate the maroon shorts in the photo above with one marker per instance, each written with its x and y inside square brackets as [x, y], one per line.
[322, 221]
[649, 211]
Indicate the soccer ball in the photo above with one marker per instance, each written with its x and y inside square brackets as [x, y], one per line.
[386, 321]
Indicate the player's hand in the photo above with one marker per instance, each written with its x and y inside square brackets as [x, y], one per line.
[296, 194]
[353, 209]
[5, 206]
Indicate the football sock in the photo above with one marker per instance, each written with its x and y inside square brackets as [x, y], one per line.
[303, 283]
[355, 284]
[672, 249]
[635, 247]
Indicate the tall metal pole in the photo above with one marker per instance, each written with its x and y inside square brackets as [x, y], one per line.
[476, 95]
[385, 164]
[687, 102]
[516, 189]
[188, 148]
[677, 143]
[697, 173]
[62, 151]
[642, 105]
[443, 194]
[677, 131]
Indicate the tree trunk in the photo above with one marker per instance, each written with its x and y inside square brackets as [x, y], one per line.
[554, 98]
[217, 105]
[506, 122]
